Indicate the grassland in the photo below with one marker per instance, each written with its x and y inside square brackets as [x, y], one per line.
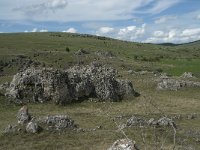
[57, 50]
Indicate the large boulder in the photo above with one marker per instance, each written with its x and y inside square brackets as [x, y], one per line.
[41, 85]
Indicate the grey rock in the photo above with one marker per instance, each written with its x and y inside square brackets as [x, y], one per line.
[105, 54]
[136, 121]
[32, 127]
[81, 52]
[41, 85]
[175, 84]
[23, 115]
[187, 75]
[58, 122]
[123, 144]
[10, 129]
[164, 121]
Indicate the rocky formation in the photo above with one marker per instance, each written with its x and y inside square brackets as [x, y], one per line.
[57, 122]
[176, 84]
[124, 144]
[23, 115]
[35, 125]
[81, 52]
[161, 122]
[76, 83]
[187, 75]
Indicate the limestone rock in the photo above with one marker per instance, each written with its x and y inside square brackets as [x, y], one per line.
[187, 75]
[32, 127]
[124, 144]
[175, 84]
[41, 85]
[136, 121]
[58, 122]
[23, 115]
[10, 129]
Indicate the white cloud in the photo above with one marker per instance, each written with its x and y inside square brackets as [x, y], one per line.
[164, 19]
[191, 32]
[162, 5]
[130, 33]
[105, 30]
[159, 34]
[34, 30]
[42, 8]
[43, 30]
[198, 16]
[83, 10]
[174, 36]
[70, 30]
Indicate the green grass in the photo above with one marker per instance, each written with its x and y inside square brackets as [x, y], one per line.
[51, 48]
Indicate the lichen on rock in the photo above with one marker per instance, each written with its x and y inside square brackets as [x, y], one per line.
[66, 86]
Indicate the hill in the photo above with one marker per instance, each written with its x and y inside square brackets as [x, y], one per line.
[100, 123]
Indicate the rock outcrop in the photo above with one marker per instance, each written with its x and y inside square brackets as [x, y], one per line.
[76, 83]
[139, 121]
[55, 123]
[176, 84]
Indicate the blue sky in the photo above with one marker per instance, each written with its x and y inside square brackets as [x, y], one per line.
[154, 21]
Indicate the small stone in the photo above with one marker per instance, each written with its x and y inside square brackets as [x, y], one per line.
[32, 127]
[123, 144]
[23, 115]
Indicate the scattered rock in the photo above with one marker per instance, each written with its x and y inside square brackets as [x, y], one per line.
[62, 87]
[10, 129]
[187, 75]
[136, 121]
[23, 115]
[4, 86]
[81, 52]
[175, 84]
[105, 54]
[124, 144]
[58, 122]
[32, 127]
[35, 125]
[164, 121]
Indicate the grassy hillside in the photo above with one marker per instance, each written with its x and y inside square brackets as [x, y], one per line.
[59, 50]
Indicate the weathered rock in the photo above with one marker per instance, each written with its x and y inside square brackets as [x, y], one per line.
[23, 115]
[162, 122]
[10, 129]
[123, 144]
[41, 85]
[174, 84]
[58, 122]
[136, 121]
[105, 54]
[32, 127]
[4, 86]
[187, 75]
[81, 52]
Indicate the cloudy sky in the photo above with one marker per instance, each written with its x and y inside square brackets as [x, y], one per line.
[154, 21]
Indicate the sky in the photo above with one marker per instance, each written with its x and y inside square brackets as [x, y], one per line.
[147, 21]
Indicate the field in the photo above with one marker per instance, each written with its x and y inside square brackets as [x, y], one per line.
[58, 50]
